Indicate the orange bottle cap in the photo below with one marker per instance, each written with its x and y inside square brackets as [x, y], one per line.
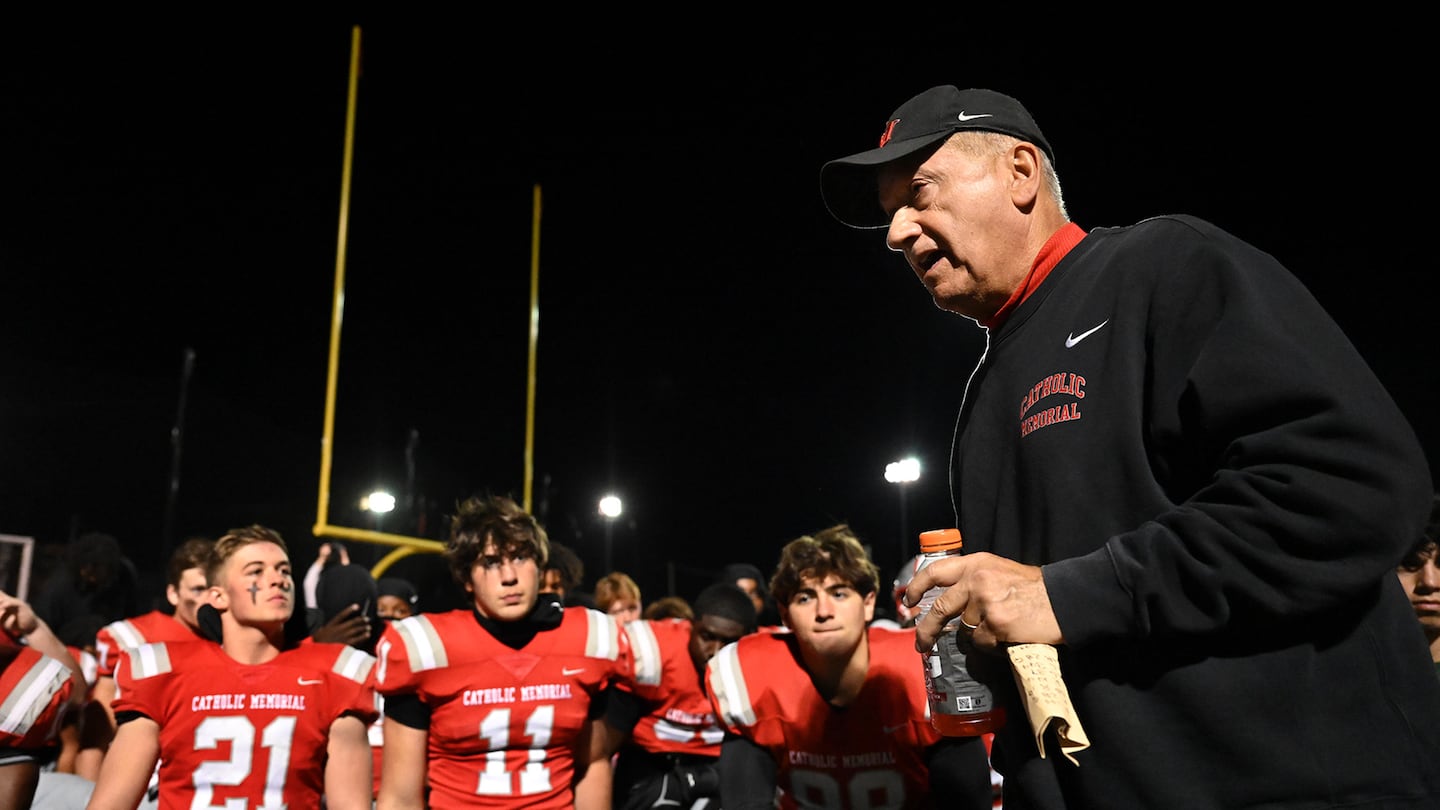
[939, 540]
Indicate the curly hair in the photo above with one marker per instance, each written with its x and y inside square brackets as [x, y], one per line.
[483, 519]
[568, 563]
[835, 550]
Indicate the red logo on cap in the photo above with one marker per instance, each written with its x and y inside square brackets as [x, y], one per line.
[889, 131]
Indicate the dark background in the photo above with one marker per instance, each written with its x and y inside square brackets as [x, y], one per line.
[712, 346]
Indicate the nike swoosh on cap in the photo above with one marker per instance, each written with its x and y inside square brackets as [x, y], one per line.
[963, 117]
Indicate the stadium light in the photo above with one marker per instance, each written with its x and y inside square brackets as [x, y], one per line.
[902, 472]
[610, 508]
[378, 502]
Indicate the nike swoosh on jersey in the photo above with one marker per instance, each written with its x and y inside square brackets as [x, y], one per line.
[1073, 338]
[307, 682]
[567, 671]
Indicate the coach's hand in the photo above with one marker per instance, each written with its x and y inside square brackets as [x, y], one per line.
[997, 600]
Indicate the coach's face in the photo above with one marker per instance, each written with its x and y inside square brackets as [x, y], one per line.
[958, 216]
[829, 617]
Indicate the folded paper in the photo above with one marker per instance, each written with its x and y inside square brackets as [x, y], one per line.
[1047, 700]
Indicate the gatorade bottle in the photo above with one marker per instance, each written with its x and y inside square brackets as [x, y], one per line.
[960, 706]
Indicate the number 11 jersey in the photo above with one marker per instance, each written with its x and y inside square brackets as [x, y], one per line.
[504, 722]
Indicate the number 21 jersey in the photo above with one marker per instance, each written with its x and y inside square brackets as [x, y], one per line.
[252, 735]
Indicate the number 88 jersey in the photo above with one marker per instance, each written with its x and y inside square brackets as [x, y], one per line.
[865, 756]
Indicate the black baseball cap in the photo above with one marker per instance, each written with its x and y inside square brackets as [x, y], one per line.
[399, 588]
[848, 184]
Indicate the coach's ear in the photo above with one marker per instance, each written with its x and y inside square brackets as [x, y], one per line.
[1026, 177]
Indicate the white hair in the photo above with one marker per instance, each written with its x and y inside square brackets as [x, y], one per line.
[981, 143]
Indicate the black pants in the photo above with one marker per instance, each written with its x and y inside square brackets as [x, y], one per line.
[645, 780]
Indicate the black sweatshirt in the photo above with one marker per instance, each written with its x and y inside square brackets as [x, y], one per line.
[1218, 489]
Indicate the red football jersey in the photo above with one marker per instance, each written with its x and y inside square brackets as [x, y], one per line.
[34, 690]
[89, 665]
[125, 634]
[868, 754]
[255, 735]
[503, 722]
[681, 721]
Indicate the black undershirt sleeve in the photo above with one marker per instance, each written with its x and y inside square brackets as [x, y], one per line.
[600, 704]
[121, 718]
[624, 710]
[407, 710]
[960, 773]
[747, 775]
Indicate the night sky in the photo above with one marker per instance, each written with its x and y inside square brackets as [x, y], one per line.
[713, 347]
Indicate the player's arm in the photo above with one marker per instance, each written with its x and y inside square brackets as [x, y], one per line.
[21, 621]
[402, 759]
[97, 730]
[595, 781]
[103, 693]
[97, 727]
[622, 711]
[960, 773]
[18, 780]
[349, 782]
[126, 771]
[747, 775]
